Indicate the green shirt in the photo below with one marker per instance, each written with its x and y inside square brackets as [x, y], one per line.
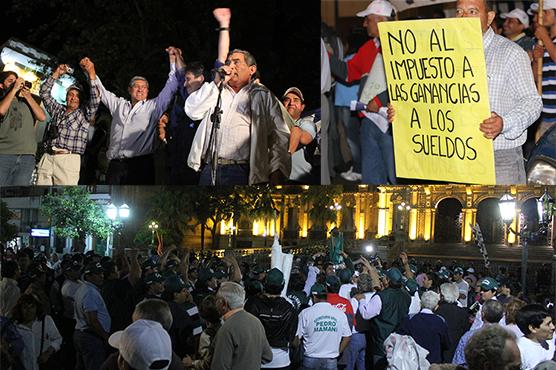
[17, 129]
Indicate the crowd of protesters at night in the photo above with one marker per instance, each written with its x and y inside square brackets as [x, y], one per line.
[173, 138]
[360, 128]
[171, 308]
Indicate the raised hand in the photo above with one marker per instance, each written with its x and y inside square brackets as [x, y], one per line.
[222, 16]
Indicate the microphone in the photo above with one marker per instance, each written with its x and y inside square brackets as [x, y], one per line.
[221, 69]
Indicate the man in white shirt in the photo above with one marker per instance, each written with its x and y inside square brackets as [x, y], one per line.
[538, 343]
[250, 146]
[463, 286]
[325, 332]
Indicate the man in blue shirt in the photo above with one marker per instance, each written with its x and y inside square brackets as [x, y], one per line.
[92, 320]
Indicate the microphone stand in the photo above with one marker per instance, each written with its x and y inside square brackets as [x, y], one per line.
[215, 118]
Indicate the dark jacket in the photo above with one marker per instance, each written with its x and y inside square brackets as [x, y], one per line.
[457, 319]
[278, 316]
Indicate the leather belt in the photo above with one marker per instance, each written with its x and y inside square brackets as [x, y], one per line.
[52, 151]
[227, 162]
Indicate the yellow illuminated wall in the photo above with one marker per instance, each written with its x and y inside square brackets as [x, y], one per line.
[468, 222]
[428, 225]
[361, 228]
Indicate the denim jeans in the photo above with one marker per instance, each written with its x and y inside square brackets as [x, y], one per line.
[352, 126]
[355, 352]
[231, 174]
[16, 169]
[377, 155]
[310, 363]
[90, 351]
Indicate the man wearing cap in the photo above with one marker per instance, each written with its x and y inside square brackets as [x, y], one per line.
[92, 320]
[302, 133]
[463, 286]
[186, 326]
[19, 113]
[241, 341]
[515, 24]
[333, 284]
[514, 101]
[489, 286]
[251, 143]
[377, 151]
[547, 34]
[278, 316]
[133, 127]
[386, 310]
[325, 332]
[143, 345]
[154, 281]
[67, 134]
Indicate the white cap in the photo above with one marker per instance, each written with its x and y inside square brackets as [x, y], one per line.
[471, 270]
[517, 14]
[379, 7]
[548, 4]
[144, 345]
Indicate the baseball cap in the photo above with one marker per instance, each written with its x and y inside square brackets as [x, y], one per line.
[205, 274]
[518, 14]
[275, 277]
[174, 284]
[69, 265]
[458, 270]
[378, 7]
[333, 281]
[548, 4]
[154, 277]
[93, 268]
[471, 270]
[148, 264]
[413, 268]
[144, 345]
[294, 90]
[318, 289]
[171, 263]
[489, 283]
[410, 285]
[393, 273]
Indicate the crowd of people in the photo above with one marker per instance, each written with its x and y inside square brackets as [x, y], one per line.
[360, 128]
[178, 310]
[223, 129]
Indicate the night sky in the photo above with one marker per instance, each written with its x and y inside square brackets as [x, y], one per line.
[127, 38]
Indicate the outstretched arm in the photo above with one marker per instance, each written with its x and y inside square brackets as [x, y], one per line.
[94, 100]
[45, 92]
[223, 16]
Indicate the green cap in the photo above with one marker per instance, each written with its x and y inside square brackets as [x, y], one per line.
[394, 274]
[154, 277]
[274, 277]
[489, 283]
[318, 289]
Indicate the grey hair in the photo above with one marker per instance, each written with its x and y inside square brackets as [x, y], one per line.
[450, 292]
[232, 293]
[249, 58]
[155, 310]
[137, 78]
[365, 283]
[492, 311]
[430, 299]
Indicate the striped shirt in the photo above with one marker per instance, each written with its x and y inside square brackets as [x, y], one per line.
[73, 127]
[548, 88]
[512, 92]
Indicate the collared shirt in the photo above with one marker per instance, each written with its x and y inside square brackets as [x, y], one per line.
[133, 126]
[370, 308]
[89, 299]
[72, 127]
[512, 92]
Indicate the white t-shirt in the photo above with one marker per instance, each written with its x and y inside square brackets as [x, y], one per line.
[280, 358]
[355, 305]
[463, 287]
[532, 353]
[322, 327]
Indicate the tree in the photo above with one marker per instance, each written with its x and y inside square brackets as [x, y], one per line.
[319, 199]
[74, 215]
[7, 230]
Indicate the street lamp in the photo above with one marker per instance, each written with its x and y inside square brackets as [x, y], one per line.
[545, 209]
[117, 215]
[153, 227]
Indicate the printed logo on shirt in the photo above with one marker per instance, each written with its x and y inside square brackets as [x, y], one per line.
[326, 323]
[341, 306]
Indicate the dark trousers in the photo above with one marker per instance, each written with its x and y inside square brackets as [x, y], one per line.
[231, 174]
[131, 171]
[90, 350]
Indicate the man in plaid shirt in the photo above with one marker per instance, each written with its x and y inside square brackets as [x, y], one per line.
[69, 128]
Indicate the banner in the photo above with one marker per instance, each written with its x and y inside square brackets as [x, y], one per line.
[437, 83]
